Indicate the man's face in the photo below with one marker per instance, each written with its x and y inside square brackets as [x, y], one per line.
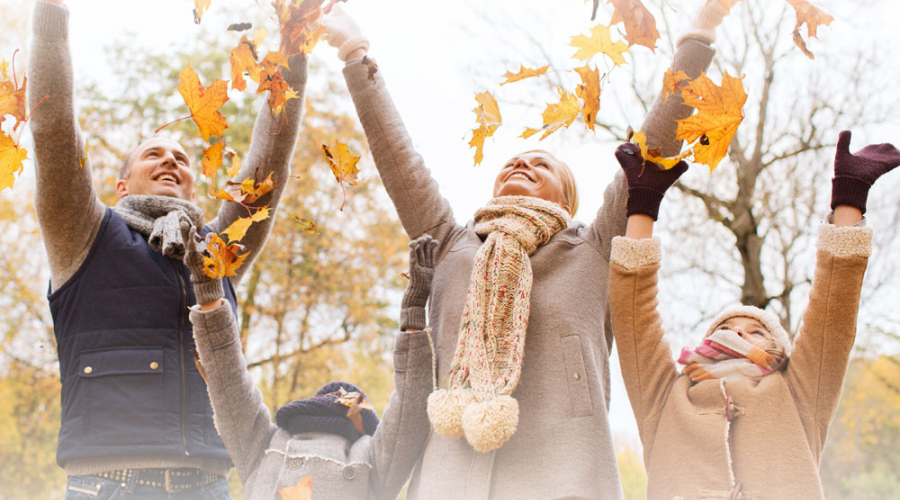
[531, 174]
[160, 167]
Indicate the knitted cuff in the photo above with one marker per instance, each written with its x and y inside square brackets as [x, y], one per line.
[357, 42]
[632, 253]
[849, 191]
[216, 328]
[644, 201]
[50, 20]
[845, 241]
[412, 318]
[705, 24]
[208, 291]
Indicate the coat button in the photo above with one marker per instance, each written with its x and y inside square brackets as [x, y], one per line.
[295, 463]
[576, 376]
[349, 472]
[88, 370]
[154, 365]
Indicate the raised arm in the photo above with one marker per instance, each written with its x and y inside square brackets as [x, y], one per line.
[414, 192]
[67, 207]
[400, 438]
[271, 150]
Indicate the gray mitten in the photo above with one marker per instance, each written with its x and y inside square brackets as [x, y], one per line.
[421, 271]
[206, 289]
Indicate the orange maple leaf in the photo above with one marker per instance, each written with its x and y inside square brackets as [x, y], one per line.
[589, 92]
[302, 490]
[212, 159]
[200, 7]
[487, 114]
[11, 158]
[556, 116]
[238, 229]
[523, 74]
[243, 60]
[640, 25]
[652, 155]
[12, 96]
[719, 113]
[235, 167]
[279, 91]
[672, 83]
[343, 165]
[246, 191]
[600, 42]
[299, 24]
[204, 102]
[222, 260]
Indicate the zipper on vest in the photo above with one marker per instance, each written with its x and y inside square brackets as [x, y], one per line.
[181, 356]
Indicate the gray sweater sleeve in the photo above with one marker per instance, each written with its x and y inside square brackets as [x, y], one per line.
[401, 436]
[415, 193]
[241, 417]
[271, 150]
[67, 206]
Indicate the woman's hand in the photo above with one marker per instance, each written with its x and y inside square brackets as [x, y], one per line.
[421, 271]
[343, 33]
[855, 173]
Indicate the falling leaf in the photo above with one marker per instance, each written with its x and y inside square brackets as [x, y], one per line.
[726, 4]
[243, 60]
[302, 490]
[719, 113]
[523, 74]
[477, 142]
[235, 167]
[355, 403]
[800, 42]
[589, 92]
[308, 226]
[271, 80]
[672, 82]
[558, 115]
[487, 114]
[204, 102]
[812, 17]
[212, 159]
[372, 67]
[200, 7]
[246, 191]
[600, 42]
[299, 23]
[11, 158]
[343, 165]
[652, 155]
[222, 260]
[238, 229]
[239, 26]
[640, 25]
[12, 96]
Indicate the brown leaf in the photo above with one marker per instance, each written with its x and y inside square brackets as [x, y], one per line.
[523, 74]
[640, 25]
[372, 66]
[200, 7]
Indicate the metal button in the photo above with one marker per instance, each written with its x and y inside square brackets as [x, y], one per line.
[154, 365]
[295, 463]
[577, 376]
[349, 472]
[88, 370]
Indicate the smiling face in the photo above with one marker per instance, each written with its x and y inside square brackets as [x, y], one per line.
[749, 329]
[159, 166]
[536, 174]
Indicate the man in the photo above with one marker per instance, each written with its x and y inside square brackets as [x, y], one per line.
[136, 417]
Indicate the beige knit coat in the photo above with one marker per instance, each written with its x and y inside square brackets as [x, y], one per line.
[563, 446]
[701, 441]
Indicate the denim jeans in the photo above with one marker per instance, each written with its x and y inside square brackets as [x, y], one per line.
[98, 488]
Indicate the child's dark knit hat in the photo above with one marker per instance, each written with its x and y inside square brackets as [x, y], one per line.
[327, 412]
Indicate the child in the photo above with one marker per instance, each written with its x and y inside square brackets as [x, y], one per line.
[327, 443]
[748, 416]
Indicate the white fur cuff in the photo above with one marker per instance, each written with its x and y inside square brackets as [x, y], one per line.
[845, 241]
[633, 253]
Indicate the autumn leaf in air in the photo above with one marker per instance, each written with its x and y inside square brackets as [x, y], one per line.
[246, 191]
[673, 82]
[640, 25]
[308, 226]
[243, 60]
[238, 229]
[812, 17]
[11, 158]
[523, 74]
[302, 490]
[222, 260]
[212, 159]
[200, 7]
[487, 114]
[343, 165]
[203, 102]
[556, 116]
[235, 167]
[600, 42]
[652, 155]
[589, 92]
[298, 21]
[355, 403]
[719, 113]
[12, 96]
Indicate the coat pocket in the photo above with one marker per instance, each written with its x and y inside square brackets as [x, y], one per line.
[580, 404]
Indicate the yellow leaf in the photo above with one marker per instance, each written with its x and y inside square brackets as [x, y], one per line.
[12, 97]
[279, 91]
[640, 25]
[308, 226]
[477, 142]
[235, 167]
[487, 114]
[11, 158]
[212, 159]
[238, 229]
[672, 82]
[523, 74]
[243, 60]
[343, 165]
[223, 260]
[600, 41]
[200, 7]
[589, 92]
[558, 115]
[204, 102]
[719, 113]
[302, 490]
[653, 155]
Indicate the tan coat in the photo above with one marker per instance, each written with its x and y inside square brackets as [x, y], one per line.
[762, 438]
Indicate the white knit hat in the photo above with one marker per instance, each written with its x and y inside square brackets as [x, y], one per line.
[768, 320]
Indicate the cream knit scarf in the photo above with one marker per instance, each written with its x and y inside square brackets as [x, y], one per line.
[162, 219]
[491, 342]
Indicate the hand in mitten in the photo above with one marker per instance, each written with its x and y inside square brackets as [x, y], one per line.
[206, 289]
[855, 173]
[343, 33]
[421, 271]
[704, 25]
[647, 183]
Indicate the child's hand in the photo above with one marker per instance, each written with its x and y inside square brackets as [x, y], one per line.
[344, 34]
[421, 271]
[647, 183]
[206, 289]
[855, 173]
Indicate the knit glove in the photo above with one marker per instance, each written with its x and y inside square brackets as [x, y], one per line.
[855, 173]
[647, 183]
[343, 33]
[421, 271]
[704, 25]
[206, 289]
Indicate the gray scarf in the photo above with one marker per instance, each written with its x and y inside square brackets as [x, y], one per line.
[162, 219]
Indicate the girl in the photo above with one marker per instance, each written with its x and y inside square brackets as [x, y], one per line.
[748, 415]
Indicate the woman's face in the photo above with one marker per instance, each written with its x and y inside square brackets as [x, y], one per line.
[531, 174]
[749, 329]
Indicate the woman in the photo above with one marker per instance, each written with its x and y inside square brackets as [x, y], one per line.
[521, 270]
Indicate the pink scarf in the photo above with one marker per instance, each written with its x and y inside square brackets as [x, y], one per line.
[725, 354]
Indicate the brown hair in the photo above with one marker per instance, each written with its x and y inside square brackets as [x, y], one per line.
[570, 189]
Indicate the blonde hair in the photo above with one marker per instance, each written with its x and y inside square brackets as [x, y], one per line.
[570, 189]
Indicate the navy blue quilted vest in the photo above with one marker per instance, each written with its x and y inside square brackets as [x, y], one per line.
[130, 386]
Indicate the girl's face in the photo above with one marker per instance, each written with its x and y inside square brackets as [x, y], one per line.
[749, 329]
[531, 174]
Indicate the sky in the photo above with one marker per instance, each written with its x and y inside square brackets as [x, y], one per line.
[434, 56]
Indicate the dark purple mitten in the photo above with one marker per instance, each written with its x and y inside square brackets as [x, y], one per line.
[855, 173]
[647, 183]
